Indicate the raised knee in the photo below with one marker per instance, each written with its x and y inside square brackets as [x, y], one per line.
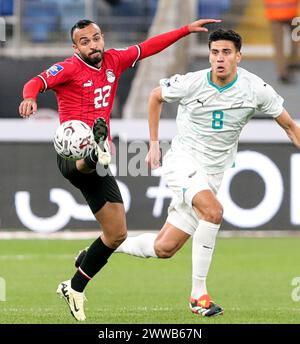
[163, 251]
[117, 239]
[121, 237]
[213, 214]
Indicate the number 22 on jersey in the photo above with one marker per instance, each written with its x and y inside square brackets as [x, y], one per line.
[102, 99]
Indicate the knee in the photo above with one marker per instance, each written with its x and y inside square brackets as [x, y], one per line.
[120, 238]
[116, 240]
[164, 250]
[213, 214]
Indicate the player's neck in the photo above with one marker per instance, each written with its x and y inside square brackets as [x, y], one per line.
[223, 81]
[97, 65]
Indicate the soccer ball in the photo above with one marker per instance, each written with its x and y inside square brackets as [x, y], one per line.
[74, 140]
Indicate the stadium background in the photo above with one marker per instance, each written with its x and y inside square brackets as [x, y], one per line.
[261, 196]
[37, 35]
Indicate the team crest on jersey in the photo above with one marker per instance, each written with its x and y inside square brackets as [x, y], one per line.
[55, 69]
[110, 75]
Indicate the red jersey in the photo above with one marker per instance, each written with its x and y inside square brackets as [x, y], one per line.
[84, 92]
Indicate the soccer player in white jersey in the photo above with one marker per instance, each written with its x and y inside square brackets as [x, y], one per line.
[214, 106]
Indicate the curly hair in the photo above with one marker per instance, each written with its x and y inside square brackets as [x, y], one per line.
[226, 35]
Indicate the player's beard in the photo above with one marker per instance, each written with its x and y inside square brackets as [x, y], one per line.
[93, 61]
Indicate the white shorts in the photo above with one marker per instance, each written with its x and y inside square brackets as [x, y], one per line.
[186, 178]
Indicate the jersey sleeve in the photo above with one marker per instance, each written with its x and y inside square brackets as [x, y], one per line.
[126, 57]
[268, 100]
[174, 88]
[57, 74]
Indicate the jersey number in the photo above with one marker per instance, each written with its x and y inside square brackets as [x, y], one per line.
[217, 119]
[103, 94]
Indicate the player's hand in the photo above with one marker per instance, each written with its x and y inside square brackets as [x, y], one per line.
[197, 26]
[28, 107]
[153, 156]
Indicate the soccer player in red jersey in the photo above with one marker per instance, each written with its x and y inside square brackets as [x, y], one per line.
[85, 86]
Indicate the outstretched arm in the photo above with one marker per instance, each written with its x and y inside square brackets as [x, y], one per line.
[290, 127]
[30, 91]
[157, 43]
[154, 111]
[57, 74]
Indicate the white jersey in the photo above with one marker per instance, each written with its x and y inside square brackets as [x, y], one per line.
[210, 118]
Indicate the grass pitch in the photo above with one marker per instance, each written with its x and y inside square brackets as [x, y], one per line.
[250, 278]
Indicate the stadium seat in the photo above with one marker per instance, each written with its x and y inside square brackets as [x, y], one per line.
[133, 15]
[212, 8]
[75, 12]
[39, 19]
[6, 7]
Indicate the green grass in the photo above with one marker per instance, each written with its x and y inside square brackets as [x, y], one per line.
[250, 278]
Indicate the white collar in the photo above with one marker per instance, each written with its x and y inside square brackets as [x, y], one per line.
[97, 69]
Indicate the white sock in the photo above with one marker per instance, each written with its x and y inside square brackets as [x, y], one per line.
[140, 246]
[202, 250]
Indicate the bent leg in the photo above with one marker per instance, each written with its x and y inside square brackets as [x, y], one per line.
[210, 213]
[197, 205]
[104, 199]
[169, 240]
[112, 218]
[140, 246]
[113, 222]
[162, 245]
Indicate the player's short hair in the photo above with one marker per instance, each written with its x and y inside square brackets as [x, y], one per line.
[226, 35]
[82, 23]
